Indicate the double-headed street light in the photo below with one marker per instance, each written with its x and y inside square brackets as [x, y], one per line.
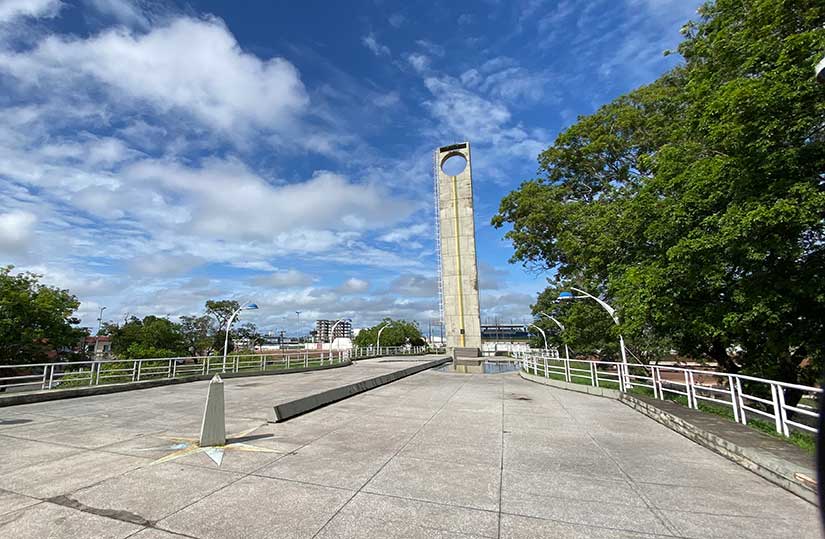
[561, 328]
[245, 307]
[542, 334]
[610, 310]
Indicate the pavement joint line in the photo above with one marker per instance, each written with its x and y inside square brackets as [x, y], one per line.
[367, 482]
[672, 528]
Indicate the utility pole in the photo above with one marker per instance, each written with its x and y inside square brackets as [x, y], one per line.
[299, 325]
[100, 319]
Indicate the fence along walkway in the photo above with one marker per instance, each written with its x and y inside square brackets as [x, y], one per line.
[45, 376]
[746, 396]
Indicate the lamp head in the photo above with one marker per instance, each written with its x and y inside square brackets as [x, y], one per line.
[566, 295]
[251, 306]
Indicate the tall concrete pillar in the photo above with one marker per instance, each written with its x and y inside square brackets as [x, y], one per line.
[459, 271]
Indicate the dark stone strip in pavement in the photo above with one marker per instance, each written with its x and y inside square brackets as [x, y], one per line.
[294, 407]
[28, 397]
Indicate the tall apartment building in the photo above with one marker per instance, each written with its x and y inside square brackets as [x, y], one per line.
[342, 331]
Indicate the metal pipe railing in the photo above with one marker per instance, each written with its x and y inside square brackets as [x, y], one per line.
[740, 393]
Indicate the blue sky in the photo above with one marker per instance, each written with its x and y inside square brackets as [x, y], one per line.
[156, 154]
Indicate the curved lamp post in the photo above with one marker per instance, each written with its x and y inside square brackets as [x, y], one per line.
[542, 334]
[332, 335]
[245, 307]
[378, 340]
[610, 310]
[561, 328]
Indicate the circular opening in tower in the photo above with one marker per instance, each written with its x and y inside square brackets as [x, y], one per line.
[454, 164]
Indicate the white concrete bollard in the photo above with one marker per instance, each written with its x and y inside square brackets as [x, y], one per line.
[213, 427]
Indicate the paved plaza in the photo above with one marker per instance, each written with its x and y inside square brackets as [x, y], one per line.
[433, 455]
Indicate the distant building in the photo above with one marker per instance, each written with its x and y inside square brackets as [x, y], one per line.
[322, 328]
[98, 347]
[504, 333]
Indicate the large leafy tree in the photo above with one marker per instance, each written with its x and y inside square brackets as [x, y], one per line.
[149, 337]
[37, 322]
[696, 203]
[399, 333]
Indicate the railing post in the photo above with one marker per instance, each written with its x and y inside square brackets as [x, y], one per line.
[263, 365]
[92, 374]
[732, 392]
[693, 390]
[51, 377]
[45, 370]
[741, 401]
[783, 414]
[169, 368]
[594, 375]
[567, 377]
[776, 408]
[687, 390]
[134, 370]
[174, 368]
[97, 378]
[546, 373]
[236, 363]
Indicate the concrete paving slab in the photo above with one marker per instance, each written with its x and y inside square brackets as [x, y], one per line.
[705, 526]
[516, 526]
[155, 492]
[19, 453]
[333, 467]
[374, 516]
[259, 507]
[50, 521]
[455, 483]
[68, 474]
[11, 501]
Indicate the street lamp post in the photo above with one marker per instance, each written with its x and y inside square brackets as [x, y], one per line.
[378, 340]
[610, 310]
[561, 327]
[544, 335]
[100, 319]
[332, 336]
[246, 306]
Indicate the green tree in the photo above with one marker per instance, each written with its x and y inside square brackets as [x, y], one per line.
[198, 334]
[400, 333]
[37, 322]
[221, 311]
[695, 203]
[147, 338]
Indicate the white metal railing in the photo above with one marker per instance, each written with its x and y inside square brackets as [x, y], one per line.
[44, 376]
[746, 396]
[363, 352]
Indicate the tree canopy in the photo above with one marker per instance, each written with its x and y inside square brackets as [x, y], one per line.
[695, 204]
[37, 322]
[399, 333]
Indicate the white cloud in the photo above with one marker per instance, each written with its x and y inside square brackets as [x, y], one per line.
[284, 279]
[16, 230]
[123, 11]
[165, 263]
[404, 234]
[396, 20]
[419, 62]
[195, 66]
[354, 285]
[12, 9]
[372, 44]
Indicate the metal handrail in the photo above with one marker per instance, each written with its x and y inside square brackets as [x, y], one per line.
[727, 391]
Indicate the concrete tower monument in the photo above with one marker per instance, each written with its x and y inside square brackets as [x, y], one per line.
[457, 250]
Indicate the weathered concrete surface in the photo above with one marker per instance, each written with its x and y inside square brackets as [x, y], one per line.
[432, 455]
[293, 407]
